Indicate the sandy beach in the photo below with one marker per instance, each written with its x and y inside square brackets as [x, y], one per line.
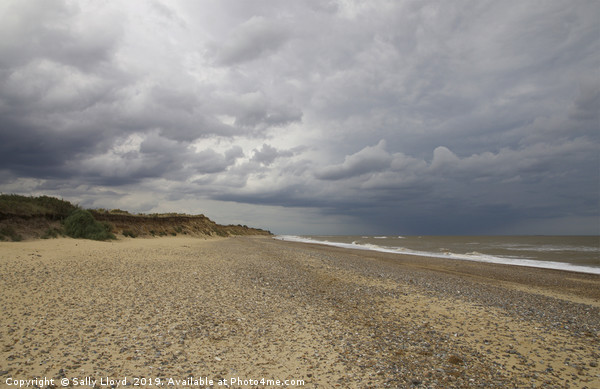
[243, 312]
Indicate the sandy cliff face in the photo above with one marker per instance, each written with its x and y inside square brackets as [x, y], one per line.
[163, 225]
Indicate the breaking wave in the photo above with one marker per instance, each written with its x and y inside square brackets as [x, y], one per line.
[471, 256]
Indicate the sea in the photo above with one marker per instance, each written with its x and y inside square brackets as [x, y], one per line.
[572, 253]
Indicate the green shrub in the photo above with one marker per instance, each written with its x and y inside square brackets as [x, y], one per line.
[10, 232]
[119, 211]
[81, 224]
[129, 233]
[51, 233]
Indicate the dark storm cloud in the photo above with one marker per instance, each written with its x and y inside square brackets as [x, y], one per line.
[423, 117]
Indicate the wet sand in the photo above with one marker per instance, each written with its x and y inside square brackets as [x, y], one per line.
[184, 311]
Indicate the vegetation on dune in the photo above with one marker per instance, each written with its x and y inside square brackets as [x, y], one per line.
[52, 233]
[44, 206]
[129, 233]
[8, 232]
[23, 217]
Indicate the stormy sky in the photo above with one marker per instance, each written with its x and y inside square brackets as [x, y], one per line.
[309, 117]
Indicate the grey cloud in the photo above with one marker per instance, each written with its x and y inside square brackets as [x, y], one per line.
[58, 31]
[179, 113]
[250, 40]
[209, 161]
[368, 160]
[267, 154]
[467, 75]
[42, 88]
[151, 156]
[177, 99]
[154, 156]
[488, 190]
[443, 159]
[586, 107]
[257, 112]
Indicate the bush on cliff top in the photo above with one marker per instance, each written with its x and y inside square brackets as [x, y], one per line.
[44, 206]
[81, 224]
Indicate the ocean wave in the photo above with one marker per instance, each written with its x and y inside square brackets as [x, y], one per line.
[550, 248]
[472, 256]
